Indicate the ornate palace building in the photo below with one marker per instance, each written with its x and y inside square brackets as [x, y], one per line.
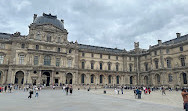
[45, 56]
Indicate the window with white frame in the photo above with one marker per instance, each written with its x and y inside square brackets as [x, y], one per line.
[1, 59]
[21, 59]
[69, 63]
[57, 62]
[36, 61]
[47, 60]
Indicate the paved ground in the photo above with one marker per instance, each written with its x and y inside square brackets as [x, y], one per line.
[56, 100]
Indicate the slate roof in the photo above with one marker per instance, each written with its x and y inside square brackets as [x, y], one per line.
[5, 36]
[176, 40]
[49, 19]
[97, 48]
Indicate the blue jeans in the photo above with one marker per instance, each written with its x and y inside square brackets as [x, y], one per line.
[186, 106]
[37, 94]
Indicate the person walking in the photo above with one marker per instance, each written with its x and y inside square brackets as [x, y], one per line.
[149, 90]
[36, 92]
[5, 88]
[122, 90]
[30, 94]
[163, 91]
[185, 99]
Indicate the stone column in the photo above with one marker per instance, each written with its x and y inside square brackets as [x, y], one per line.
[63, 78]
[39, 78]
[52, 78]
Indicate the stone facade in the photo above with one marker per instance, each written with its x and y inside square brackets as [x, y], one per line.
[45, 56]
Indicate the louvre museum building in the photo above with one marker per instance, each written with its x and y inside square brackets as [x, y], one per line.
[45, 56]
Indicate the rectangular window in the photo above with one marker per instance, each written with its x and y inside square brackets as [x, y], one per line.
[2, 46]
[48, 38]
[155, 52]
[117, 67]
[100, 55]
[109, 66]
[92, 55]
[100, 66]
[156, 64]
[130, 67]
[146, 67]
[58, 49]
[83, 65]
[23, 46]
[167, 51]
[70, 63]
[1, 59]
[108, 56]
[37, 47]
[181, 48]
[168, 62]
[21, 59]
[57, 62]
[47, 60]
[36, 60]
[182, 61]
[130, 58]
[92, 66]
[116, 57]
[83, 54]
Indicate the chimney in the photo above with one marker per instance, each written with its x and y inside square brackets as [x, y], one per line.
[159, 42]
[178, 35]
[34, 17]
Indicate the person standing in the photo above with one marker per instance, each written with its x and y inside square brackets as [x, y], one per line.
[67, 89]
[185, 99]
[71, 89]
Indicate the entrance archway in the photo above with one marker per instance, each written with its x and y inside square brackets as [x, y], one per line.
[46, 78]
[131, 80]
[69, 78]
[19, 78]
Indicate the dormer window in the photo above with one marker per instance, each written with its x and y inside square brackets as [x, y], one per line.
[23, 46]
[48, 38]
[181, 48]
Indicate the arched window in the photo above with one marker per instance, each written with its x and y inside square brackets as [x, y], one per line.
[82, 78]
[170, 78]
[101, 79]
[131, 80]
[184, 78]
[117, 79]
[47, 60]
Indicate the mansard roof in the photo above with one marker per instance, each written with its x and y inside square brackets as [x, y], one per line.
[176, 40]
[103, 49]
[49, 19]
[5, 36]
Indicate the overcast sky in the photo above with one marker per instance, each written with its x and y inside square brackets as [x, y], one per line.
[107, 23]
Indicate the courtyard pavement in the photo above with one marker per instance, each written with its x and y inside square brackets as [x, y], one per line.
[56, 100]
